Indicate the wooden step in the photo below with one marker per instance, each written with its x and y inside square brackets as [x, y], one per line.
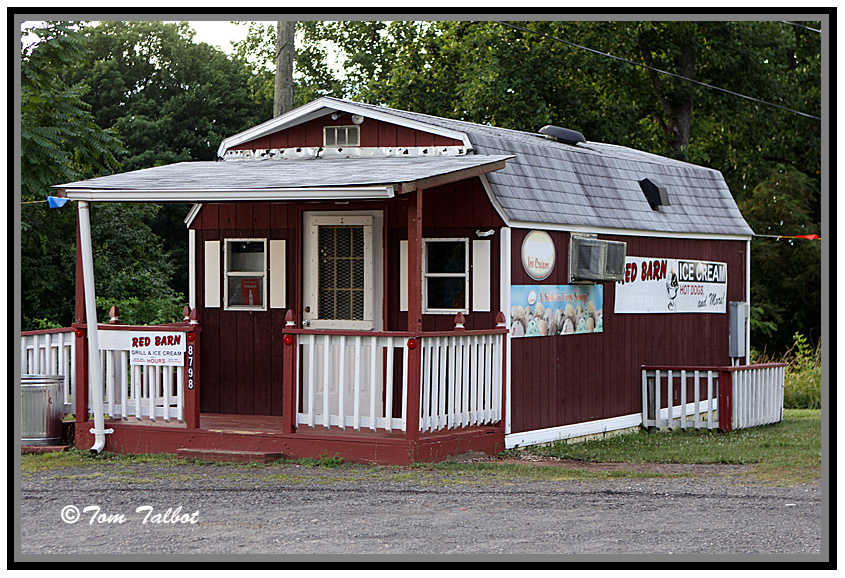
[238, 456]
[32, 449]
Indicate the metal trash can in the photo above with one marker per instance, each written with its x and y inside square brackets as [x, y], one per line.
[42, 410]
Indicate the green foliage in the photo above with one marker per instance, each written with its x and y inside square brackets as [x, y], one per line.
[171, 99]
[785, 273]
[330, 462]
[60, 140]
[803, 378]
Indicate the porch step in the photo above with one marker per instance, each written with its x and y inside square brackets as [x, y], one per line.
[239, 456]
[42, 449]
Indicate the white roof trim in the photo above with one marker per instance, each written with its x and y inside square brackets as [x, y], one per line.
[323, 106]
[625, 232]
[205, 195]
[192, 214]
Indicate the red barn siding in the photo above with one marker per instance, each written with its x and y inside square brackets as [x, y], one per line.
[571, 379]
[240, 350]
[242, 364]
[374, 133]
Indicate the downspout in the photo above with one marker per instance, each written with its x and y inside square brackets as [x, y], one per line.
[95, 378]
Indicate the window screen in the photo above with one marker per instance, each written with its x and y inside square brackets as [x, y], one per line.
[341, 272]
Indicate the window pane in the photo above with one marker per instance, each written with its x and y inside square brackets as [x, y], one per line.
[246, 256]
[445, 293]
[331, 137]
[445, 256]
[245, 291]
[341, 273]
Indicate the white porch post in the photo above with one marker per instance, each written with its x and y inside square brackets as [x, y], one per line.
[95, 377]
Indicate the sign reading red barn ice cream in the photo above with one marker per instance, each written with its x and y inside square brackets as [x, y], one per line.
[654, 285]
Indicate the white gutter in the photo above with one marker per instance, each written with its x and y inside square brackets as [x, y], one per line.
[628, 232]
[95, 378]
[205, 195]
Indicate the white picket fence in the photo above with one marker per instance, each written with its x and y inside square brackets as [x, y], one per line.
[138, 391]
[141, 391]
[461, 381]
[358, 373]
[755, 393]
[758, 395]
[660, 410]
[51, 352]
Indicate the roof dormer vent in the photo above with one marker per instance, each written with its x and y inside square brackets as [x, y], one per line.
[560, 134]
[655, 194]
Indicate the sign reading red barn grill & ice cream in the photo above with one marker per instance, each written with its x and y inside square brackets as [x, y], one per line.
[158, 348]
[654, 285]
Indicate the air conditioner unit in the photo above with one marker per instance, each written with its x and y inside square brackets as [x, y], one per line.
[592, 259]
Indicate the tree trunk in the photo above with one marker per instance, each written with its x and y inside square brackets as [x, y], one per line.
[676, 103]
[283, 92]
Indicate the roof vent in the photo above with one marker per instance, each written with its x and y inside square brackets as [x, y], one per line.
[655, 194]
[561, 134]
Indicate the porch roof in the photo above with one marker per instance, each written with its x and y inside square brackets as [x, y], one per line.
[252, 180]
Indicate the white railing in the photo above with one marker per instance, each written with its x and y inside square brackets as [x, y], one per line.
[748, 395]
[140, 391]
[349, 381]
[462, 378]
[662, 387]
[51, 352]
[758, 395]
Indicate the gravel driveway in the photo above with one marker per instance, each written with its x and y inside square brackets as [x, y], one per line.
[293, 509]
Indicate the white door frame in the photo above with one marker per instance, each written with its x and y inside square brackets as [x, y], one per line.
[373, 221]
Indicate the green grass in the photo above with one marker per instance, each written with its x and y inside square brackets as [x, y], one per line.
[788, 452]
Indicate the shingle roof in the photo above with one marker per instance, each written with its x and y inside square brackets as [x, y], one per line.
[245, 175]
[593, 184]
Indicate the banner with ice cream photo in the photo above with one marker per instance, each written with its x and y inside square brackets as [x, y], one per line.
[546, 310]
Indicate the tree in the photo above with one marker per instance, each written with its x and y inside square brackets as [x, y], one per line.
[283, 93]
[491, 73]
[171, 100]
[61, 142]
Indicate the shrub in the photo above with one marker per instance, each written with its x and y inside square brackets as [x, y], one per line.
[803, 381]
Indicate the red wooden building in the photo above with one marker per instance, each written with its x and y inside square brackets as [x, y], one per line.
[390, 287]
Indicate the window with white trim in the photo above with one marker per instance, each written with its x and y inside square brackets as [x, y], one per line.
[342, 136]
[245, 274]
[445, 275]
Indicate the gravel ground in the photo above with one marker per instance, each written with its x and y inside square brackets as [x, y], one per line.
[294, 509]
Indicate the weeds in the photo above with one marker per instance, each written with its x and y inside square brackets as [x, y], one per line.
[803, 378]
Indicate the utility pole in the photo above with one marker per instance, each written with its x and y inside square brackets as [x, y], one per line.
[283, 90]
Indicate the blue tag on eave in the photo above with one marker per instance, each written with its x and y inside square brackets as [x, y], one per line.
[56, 202]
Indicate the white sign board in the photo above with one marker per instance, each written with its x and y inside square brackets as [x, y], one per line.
[672, 286]
[538, 255]
[157, 348]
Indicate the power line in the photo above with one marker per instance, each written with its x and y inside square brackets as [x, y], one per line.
[704, 84]
[801, 25]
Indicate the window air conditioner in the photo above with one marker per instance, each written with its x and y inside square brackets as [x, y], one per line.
[592, 259]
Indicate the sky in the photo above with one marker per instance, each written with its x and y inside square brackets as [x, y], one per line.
[218, 33]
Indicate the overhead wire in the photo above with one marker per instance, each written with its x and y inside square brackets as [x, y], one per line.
[800, 25]
[678, 76]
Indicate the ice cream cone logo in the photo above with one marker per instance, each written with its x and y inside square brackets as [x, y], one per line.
[672, 289]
